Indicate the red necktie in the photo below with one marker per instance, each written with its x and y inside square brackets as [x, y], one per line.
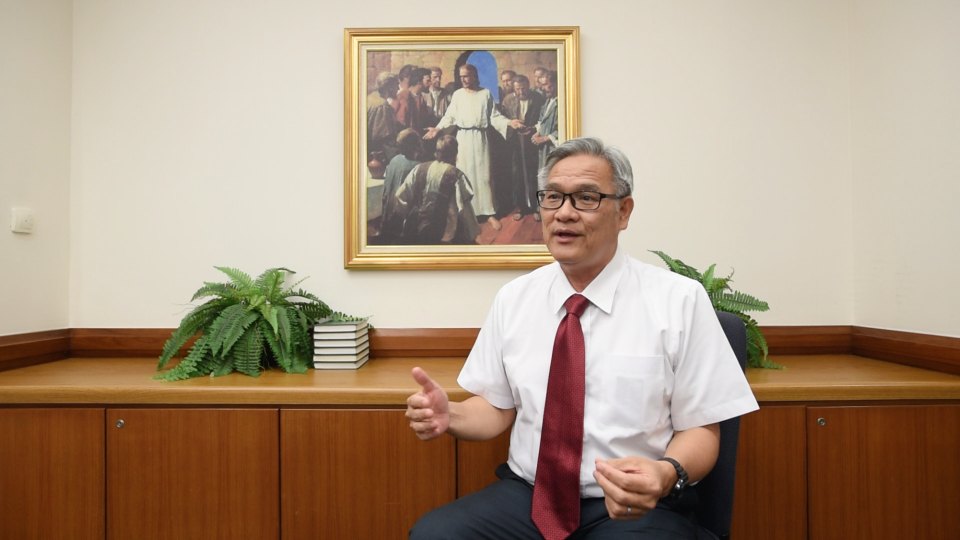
[556, 490]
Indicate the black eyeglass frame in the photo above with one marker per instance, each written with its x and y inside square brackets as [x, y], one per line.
[602, 196]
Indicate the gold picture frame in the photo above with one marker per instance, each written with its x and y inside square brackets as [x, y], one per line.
[371, 56]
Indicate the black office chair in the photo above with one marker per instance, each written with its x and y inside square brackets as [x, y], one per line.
[715, 491]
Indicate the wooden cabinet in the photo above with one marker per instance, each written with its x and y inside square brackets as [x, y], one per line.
[884, 472]
[817, 472]
[51, 474]
[770, 497]
[359, 474]
[193, 474]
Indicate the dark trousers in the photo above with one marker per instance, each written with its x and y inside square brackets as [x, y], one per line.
[501, 511]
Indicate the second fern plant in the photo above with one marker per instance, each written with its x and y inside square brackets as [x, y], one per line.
[726, 299]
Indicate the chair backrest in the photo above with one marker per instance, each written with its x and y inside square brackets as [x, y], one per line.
[715, 491]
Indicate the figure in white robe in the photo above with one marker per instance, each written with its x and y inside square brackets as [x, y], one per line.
[473, 109]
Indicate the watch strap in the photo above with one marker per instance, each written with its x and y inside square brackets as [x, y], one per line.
[682, 478]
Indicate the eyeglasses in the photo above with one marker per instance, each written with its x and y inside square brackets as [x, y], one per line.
[581, 200]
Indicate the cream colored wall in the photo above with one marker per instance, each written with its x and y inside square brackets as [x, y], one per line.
[35, 69]
[209, 133]
[906, 164]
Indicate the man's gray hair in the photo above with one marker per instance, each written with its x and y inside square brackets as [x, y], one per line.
[592, 146]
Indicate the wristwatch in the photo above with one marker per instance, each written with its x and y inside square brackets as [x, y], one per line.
[682, 479]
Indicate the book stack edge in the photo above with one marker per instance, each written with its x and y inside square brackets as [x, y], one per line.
[340, 345]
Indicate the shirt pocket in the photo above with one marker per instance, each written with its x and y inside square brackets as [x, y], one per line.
[633, 390]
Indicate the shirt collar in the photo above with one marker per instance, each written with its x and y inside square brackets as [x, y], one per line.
[599, 292]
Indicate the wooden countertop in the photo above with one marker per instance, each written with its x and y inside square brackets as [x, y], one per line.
[387, 382]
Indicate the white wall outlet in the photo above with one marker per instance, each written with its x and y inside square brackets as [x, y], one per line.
[21, 220]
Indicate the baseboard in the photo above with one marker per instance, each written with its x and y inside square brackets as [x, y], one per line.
[24, 350]
[119, 342]
[936, 353]
[808, 339]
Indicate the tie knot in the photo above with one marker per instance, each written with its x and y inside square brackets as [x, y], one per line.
[576, 304]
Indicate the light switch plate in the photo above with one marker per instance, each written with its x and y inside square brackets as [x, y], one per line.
[21, 220]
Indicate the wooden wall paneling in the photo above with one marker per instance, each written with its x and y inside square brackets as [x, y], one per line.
[938, 353]
[807, 339]
[422, 341]
[921, 350]
[23, 350]
[477, 461]
[359, 474]
[884, 472]
[770, 501]
[120, 342]
[51, 474]
[193, 474]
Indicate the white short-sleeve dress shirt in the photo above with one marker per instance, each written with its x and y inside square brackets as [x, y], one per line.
[657, 361]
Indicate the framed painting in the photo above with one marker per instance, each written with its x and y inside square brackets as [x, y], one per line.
[445, 132]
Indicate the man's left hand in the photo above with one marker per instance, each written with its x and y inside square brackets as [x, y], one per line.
[631, 485]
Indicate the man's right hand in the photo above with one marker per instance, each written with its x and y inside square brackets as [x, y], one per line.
[430, 134]
[429, 409]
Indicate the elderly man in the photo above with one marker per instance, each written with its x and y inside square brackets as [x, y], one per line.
[613, 373]
[473, 111]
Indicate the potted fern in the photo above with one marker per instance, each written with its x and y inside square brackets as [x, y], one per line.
[724, 298]
[247, 325]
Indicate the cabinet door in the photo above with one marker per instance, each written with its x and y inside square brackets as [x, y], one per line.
[884, 472]
[770, 500]
[189, 473]
[477, 461]
[51, 474]
[359, 474]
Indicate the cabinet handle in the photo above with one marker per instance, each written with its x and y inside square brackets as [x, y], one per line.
[119, 423]
[820, 421]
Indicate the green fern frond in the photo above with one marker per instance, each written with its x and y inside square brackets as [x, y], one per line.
[222, 327]
[256, 301]
[314, 311]
[279, 354]
[271, 280]
[195, 321]
[188, 366]
[222, 366]
[707, 280]
[755, 335]
[240, 279]
[223, 290]
[304, 294]
[270, 315]
[246, 353]
[337, 316]
[679, 267]
[301, 364]
[672, 264]
[288, 291]
[738, 301]
[237, 330]
[285, 330]
[205, 365]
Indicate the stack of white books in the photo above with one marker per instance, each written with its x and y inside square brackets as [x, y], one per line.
[340, 345]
